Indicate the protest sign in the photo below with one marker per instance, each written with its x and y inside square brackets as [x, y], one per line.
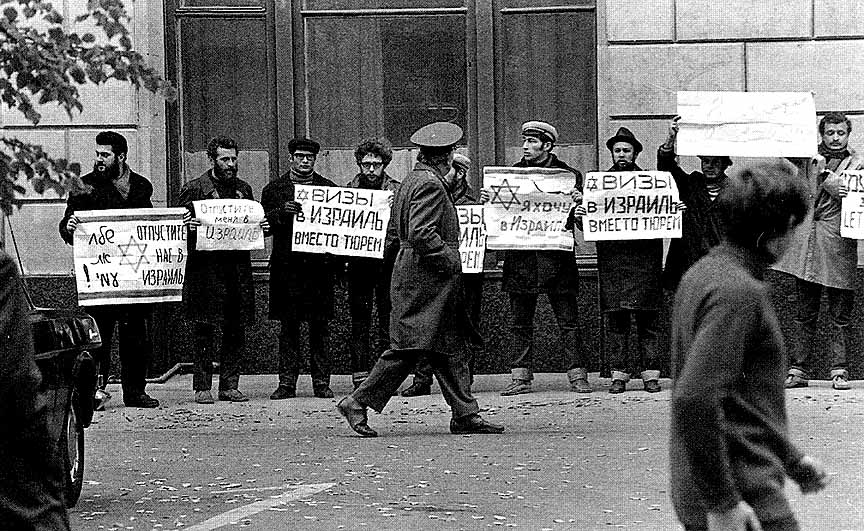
[343, 221]
[528, 208]
[630, 205]
[852, 206]
[129, 256]
[472, 241]
[747, 124]
[229, 225]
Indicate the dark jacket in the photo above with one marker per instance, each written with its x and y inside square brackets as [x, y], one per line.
[301, 284]
[363, 269]
[728, 436]
[700, 221]
[31, 474]
[542, 271]
[629, 272]
[215, 279]
[427, 291]
[101, 194]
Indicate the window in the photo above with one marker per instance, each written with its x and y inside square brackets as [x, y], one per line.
[373, 76]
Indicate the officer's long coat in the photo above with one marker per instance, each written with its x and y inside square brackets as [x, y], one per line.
[427, 292]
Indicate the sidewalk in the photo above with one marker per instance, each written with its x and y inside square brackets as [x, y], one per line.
[567, 461]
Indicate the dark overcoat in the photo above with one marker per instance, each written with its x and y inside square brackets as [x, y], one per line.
[216, 279]
[542, 271]
[701, 225]
[301, 284]
[101, 194]
[427, 292]
[630, 272]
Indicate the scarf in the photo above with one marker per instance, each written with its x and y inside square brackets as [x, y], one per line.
[833, 157]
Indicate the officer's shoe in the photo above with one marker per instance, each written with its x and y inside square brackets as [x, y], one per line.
[840, 380]
[232, 395]
[418, 389]
[102, 397]
[355, 414]
[517, 387]
[282, 392]
[142, 400]
[203, 397]
[473, 424]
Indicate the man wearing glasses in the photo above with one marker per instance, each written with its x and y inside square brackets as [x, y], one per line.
[301, 284]
[369, 278]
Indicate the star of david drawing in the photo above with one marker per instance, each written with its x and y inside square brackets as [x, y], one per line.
[591, 184]
[129, 259]
[302, 195]
[505, 188]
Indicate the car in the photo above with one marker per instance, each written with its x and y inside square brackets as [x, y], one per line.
[63, 340]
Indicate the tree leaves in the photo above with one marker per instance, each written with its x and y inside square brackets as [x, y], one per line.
[48, 66]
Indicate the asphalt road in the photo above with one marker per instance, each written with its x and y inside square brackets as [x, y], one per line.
[566, 461]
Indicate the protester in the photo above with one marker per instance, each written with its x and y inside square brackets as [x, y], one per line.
[112, 185]
[823, 261]
[369, 278]
[473, 282]
[729, 447]
[301, 284]
[629, 273]
[32, 477]
[700, 229]
[527, 274]
[428, 316]
[218, 289]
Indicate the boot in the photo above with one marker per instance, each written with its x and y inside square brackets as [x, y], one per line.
[840, 380]
[619, 382]
[796, 378]
[651, 381]
[579, 380]
[521, 383]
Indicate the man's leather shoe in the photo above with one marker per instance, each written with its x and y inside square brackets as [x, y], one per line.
[232, 395]
[203, 397]
[282, 392]
[143, 400]
[652, 386]
[474, 424]
[323, 392]
[517, 387]
[355, 414]
[417, 389]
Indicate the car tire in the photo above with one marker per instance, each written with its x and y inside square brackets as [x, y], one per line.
[72, 446]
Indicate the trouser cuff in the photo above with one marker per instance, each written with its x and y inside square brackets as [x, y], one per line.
[840, 372]
[650, 375]
[621, 375]
[522, 374]
[797, 371]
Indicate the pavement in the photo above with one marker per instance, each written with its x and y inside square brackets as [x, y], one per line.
[567, 461]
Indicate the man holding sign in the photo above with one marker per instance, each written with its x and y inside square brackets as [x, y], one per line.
[301, 284]
[629, 273]
[218, 290]
[820, 259]
[112, 185]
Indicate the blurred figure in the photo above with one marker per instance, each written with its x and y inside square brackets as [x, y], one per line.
[31, 475]
[729, 448]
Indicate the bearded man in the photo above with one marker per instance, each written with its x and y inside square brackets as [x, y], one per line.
[113, 185]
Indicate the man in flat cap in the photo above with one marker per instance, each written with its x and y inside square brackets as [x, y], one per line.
[218, 289]
[429, 315]
[527, 274]
[698, 190]
[301, 284]
[630, 272]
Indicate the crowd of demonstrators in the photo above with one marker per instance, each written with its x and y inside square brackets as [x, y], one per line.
[218, 290]
[729, 450]
[111, 185]
[823, 261]
[301, 284]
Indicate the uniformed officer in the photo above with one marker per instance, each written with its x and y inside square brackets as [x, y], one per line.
[428, 316]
